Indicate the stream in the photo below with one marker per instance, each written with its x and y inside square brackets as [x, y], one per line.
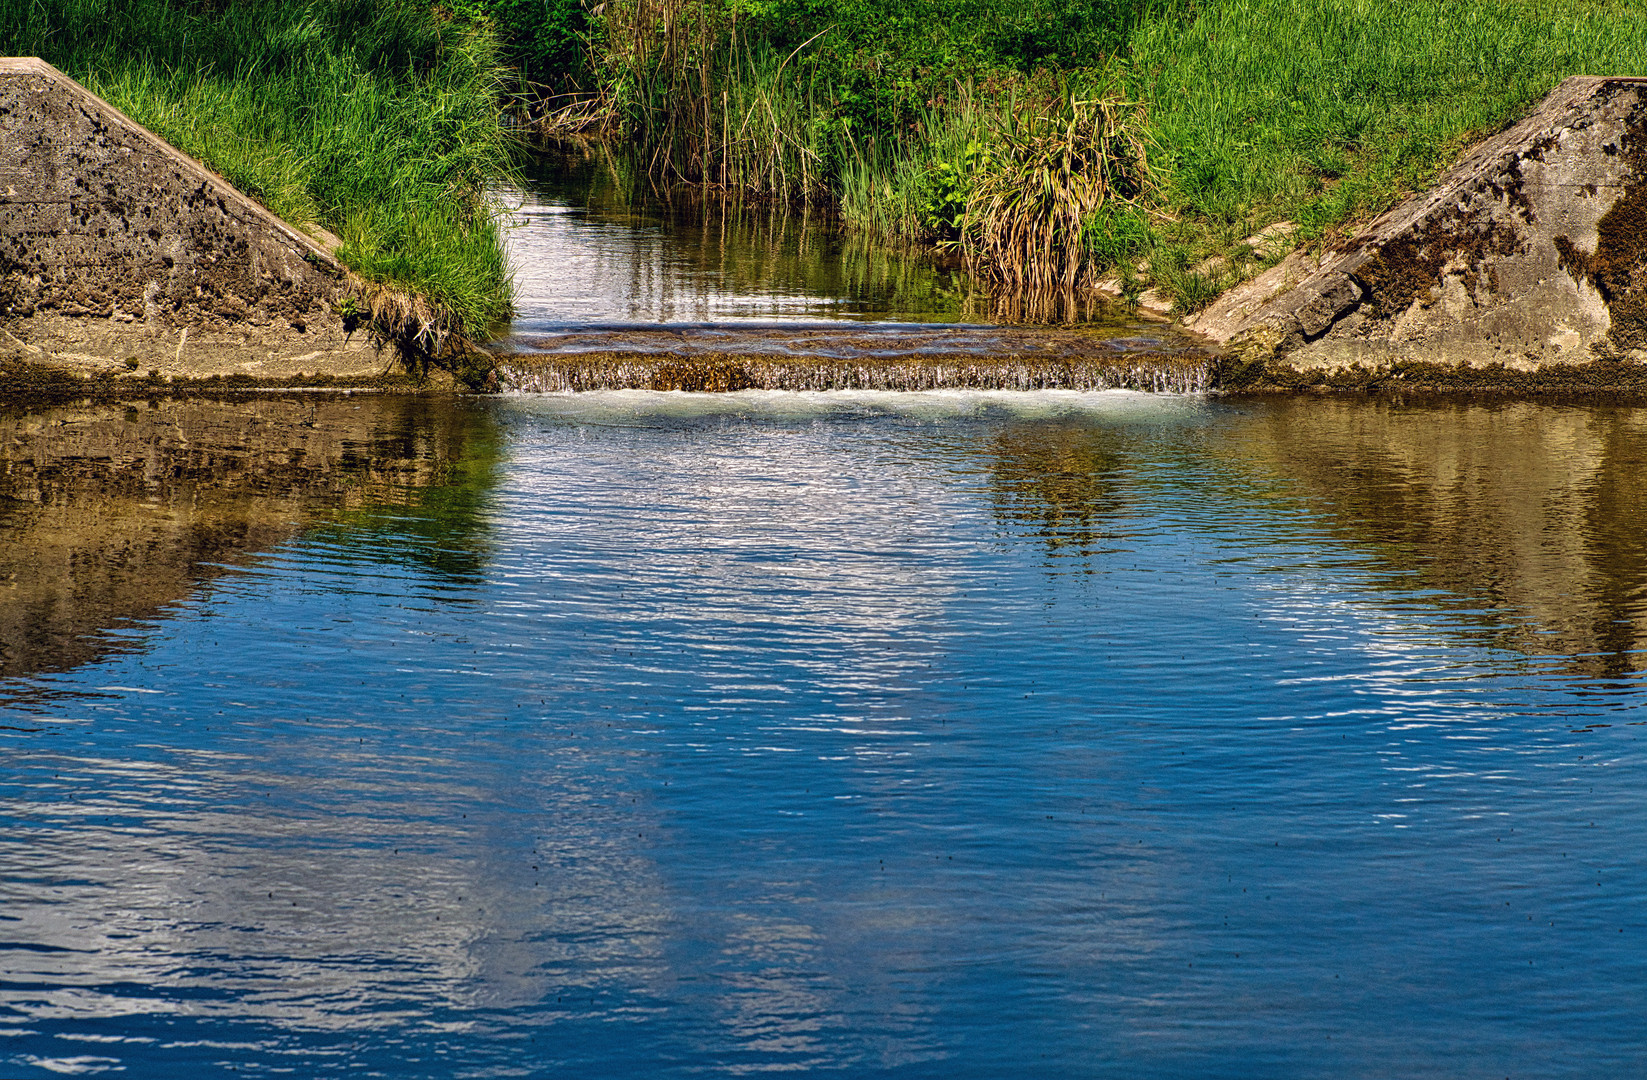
[958, 732]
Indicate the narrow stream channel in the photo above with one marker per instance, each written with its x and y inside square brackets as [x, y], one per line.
[960, 733]
[619, 288]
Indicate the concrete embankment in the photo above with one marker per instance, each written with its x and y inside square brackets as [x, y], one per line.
[1524, 268]
[119, 253]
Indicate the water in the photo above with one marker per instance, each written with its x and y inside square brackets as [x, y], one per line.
[602, 265]
[951, 733]
[593, 247]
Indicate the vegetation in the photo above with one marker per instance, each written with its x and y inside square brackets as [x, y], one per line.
[374, 119]
[1056, 142]
[1051, 142]
[1327, 112]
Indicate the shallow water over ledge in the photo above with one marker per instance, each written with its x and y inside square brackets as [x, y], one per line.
[601, 268]
[961, 733]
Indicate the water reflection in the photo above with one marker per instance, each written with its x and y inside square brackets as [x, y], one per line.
[108, 513]
[1527, 516]
[656, 734]
[1063, 482]
[593, 244]
[1518, 523]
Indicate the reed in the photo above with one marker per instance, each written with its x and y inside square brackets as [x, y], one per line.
[1048, 169]
[1194, 123]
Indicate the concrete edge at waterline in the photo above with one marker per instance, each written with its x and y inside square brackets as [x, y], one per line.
[129, 269]
[122, 258]
[1523, 269]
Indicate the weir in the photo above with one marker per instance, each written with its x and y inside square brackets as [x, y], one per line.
[618, 292]
[1521, 269]
[1155, 373]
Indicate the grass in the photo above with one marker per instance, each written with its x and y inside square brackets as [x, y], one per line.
[1327, 112]
[951, 121]
[375, 120]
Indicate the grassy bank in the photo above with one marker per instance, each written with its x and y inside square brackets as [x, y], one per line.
[1056, 143]
[1327, 112]
[373, 119]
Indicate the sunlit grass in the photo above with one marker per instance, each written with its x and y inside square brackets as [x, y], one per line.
[1327, 112]
[374, 120]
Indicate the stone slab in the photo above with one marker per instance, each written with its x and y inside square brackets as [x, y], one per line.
[1530, 254]
[119, 252]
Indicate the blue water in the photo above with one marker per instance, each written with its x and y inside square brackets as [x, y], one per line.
[910, 735]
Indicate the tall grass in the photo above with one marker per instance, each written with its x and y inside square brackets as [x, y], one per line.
[934, 120]
[709, 105]
[373, 119]
[1326, 112]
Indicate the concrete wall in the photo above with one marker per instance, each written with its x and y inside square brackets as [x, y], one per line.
[1530, 254]
[118, 252]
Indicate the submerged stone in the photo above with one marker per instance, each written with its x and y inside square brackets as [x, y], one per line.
[118, 253]
[1528, 259]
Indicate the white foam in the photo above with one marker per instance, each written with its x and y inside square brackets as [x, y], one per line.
[607, 405]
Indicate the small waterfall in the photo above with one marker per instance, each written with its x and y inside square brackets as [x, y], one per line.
[1155, 372]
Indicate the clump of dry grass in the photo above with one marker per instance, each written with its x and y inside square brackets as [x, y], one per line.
[1049, 168]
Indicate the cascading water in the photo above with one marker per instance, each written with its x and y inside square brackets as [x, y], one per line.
[1155, 373]
[622, 293]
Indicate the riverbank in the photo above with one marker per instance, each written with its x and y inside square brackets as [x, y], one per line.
[372, 126]
[1211, 139]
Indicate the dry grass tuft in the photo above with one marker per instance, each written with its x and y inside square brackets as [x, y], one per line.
[1049, 168]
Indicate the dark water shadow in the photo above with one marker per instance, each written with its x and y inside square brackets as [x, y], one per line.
[109, 513]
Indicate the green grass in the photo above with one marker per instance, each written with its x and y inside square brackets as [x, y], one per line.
[908, 118]
[1327, 112]
[376, 120]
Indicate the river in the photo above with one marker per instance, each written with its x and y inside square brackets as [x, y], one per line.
[951, 733]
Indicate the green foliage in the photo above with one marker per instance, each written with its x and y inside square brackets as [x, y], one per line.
[1322, 112]
[945, 192]
[1051, 168]
[375, 119]
[1117, 234]
[545, 40]
[1326, 112]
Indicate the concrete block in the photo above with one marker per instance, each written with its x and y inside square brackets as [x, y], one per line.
[119, 252]
[1531, 253]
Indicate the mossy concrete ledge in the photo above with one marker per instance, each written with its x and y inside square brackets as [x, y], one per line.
[1525, 265]
[118, 253]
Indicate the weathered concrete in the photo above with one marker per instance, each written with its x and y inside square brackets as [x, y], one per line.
[1529, 256]
[118, 252]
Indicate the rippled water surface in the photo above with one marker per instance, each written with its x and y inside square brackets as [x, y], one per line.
[641, 734]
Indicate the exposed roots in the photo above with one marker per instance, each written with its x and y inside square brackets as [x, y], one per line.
[424, 332]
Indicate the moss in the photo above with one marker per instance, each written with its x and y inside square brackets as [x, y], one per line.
[1617, 269]
[714, 376]
[1407, 267]
[1623, 381]
[28, 385]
